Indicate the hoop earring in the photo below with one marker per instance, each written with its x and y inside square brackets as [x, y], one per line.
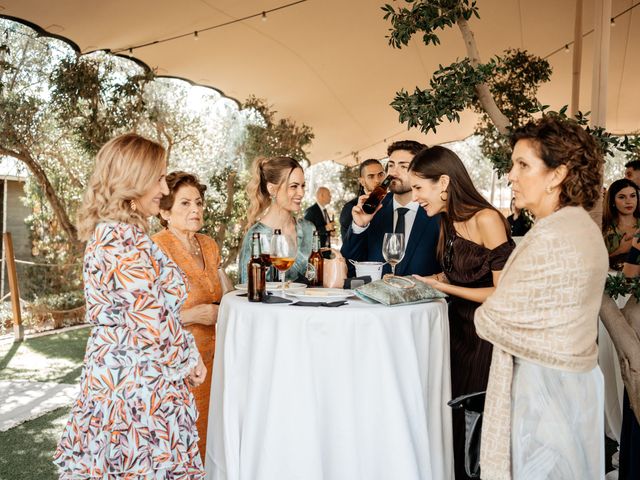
[132, 205]
[446, 195]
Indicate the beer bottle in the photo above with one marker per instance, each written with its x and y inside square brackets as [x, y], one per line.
[256, 270]
[316, 261]
[375, 197]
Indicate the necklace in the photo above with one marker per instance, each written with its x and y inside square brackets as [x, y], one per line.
[191, 244]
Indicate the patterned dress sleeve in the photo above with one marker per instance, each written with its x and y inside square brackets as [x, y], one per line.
[611, 239]
[146, 298]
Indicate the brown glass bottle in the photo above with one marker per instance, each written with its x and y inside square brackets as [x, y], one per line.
[316, 260]
[256, 272]
[375, 197]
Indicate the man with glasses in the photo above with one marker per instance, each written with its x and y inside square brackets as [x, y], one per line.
[397, 213]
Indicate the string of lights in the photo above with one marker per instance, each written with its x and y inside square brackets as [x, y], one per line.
[566, 46]
[196, 33]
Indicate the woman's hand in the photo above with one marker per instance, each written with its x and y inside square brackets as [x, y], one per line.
[197, 375]
[204, 314]
[625, 244]
[436, 281]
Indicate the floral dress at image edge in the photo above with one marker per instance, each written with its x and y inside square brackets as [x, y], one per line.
[135, 416]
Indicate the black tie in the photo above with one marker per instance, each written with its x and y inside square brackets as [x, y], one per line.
[402, 211]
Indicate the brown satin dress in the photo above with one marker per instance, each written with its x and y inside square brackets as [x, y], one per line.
[471, 266]
[204, 287]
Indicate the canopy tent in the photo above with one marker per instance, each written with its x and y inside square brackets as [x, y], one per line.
[327, 63]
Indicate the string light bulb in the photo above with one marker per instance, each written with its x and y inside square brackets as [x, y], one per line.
[264, 16]
[131, 51]
[566, 47]
[613, 22]
[195, 35]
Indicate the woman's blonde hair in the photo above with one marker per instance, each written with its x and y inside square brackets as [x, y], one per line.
[126, 168]
[275, 170]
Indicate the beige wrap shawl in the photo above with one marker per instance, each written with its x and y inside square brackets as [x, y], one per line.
[544, 310]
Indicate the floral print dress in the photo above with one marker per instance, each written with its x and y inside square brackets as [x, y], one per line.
[135, 418]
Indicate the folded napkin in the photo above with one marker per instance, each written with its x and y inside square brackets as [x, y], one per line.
[337, 303]
[270, 298]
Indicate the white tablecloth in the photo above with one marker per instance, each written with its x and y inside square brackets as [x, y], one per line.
[347, 393]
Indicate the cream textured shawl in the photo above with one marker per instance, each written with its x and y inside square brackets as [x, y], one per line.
[544, 310]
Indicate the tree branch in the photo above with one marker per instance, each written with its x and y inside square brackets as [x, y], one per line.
[42, 179]
[482, 90]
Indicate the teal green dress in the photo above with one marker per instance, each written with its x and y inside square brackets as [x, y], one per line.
[304, 229]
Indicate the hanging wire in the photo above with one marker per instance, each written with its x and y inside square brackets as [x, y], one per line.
[613, 19]
[262, 14]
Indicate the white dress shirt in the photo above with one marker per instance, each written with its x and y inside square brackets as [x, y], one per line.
[409, 218]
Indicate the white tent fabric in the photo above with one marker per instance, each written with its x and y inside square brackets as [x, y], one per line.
[327, 63]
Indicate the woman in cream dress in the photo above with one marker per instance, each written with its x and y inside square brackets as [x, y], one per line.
[544, 410]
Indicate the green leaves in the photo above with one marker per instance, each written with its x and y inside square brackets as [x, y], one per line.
[426, 16]
[452, 89]
[619, 285]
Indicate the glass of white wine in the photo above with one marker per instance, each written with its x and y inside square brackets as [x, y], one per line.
[393, 249]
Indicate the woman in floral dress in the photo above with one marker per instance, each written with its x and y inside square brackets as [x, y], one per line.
[135, 416]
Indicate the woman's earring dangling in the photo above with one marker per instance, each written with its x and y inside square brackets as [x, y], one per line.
[444, 195]
[133, 205]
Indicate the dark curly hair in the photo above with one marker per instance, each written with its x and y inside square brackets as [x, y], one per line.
[408, 145]
[560, 141]
[175, 180]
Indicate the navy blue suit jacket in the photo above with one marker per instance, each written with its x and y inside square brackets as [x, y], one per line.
[420, 253]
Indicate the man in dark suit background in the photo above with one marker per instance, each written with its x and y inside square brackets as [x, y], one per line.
[317, 214]
[371, 174]
[397, 213]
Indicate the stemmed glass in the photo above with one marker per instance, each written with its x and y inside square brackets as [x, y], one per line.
[283, 250]
[393, 249]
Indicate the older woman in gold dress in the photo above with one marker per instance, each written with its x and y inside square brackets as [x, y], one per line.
[197, 255]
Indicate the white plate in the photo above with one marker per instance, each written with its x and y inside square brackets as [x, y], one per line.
[275, 286]
[321, 294]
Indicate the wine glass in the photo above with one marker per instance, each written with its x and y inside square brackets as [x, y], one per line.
[283, 250]
[393, 249]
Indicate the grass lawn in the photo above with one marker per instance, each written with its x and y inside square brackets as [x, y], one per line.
[26, 450]
[49, 358]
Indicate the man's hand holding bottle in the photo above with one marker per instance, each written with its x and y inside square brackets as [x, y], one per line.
[368, 205]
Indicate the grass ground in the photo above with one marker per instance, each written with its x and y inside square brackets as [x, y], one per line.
[49, 358]
[27, 450]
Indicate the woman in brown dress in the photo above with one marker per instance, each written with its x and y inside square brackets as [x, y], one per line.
[197, 255]
[474, 246]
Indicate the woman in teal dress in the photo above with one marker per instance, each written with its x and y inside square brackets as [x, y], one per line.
[275, 191]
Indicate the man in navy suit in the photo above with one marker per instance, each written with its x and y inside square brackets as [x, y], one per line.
[397, 213]
[317, 214]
